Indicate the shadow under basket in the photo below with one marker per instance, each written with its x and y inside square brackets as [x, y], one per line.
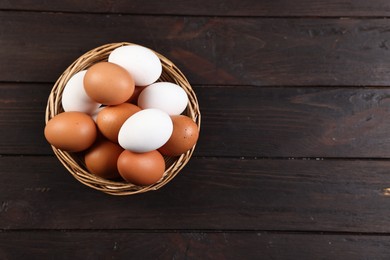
[73, 162]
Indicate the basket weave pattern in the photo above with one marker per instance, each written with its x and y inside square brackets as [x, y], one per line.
[73, 162]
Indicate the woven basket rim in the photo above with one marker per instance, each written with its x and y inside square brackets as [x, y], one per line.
[74, 163]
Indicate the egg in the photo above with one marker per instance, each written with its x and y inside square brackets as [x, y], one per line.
[166, 96]
[74, 97]
[96, 112]
[145, 131]
[142, 63]
[134, 98]
[108, 83]
[111, 118]
[184, 136]
[141, 168]
[101, 159]
[71, 131]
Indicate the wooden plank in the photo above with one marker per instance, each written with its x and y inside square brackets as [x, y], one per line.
[22, 118]
[240, 121]
[209, 50]
[195, 245]
[209, 194]
[281, 8]
[295, 122]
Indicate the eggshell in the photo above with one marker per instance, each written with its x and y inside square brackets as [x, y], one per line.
[145, 131]
[101, 159]
[142, 63]
[141, 168]
[71, 131]
[74, 97]
[166, 96]
[96, 112]
[108, 83]
[111, 118]
[134, 98]
[184, 136]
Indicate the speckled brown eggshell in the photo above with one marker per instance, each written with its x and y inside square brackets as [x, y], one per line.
[184, 136]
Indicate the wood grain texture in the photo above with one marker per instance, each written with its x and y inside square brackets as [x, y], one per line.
[219, 7]
[260, 52]
[301, 122]
[195, 245]
[22, 118]
[209, 194]
[240, 121]
[292, 162]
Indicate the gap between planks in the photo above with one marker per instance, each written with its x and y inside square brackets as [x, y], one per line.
[358, 87]
[246, 157]
[209, 231]
[362, 17]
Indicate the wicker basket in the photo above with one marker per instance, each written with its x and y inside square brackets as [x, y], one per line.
[73, 162]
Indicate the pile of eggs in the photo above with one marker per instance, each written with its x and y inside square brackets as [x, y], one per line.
[121, 120]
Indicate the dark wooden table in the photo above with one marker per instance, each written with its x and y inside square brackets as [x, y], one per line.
[293, 159]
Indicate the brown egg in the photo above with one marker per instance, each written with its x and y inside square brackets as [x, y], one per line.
[101, 159]
[108, 83]
[71, 131]
[133, 99]
[184, 136]
[141, 168]
[111, 118]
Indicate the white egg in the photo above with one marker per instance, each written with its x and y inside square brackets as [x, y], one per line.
[142, 63]
[74, 97]
[96, 112]
[166, 96]
[145, 131]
